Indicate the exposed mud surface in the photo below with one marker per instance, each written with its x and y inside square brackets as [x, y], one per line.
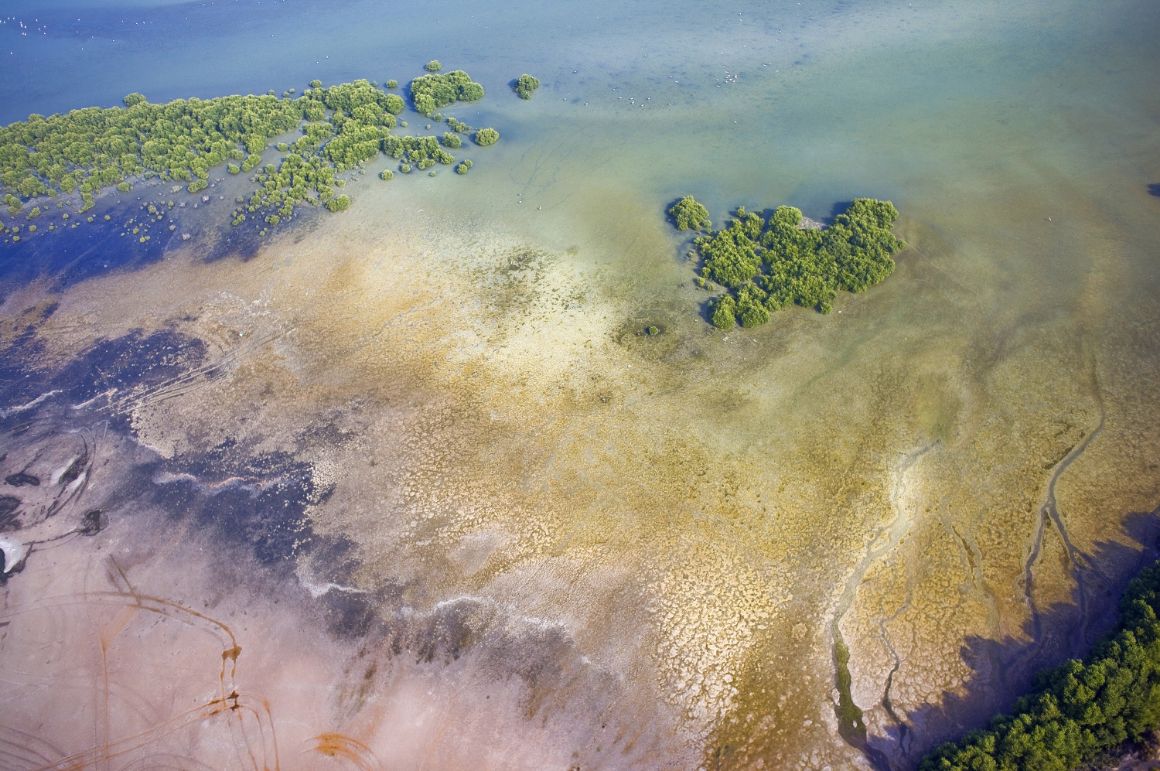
[295, 507]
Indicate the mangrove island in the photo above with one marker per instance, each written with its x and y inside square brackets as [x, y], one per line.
[765, 263]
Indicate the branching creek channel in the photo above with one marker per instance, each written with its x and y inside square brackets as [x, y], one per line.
[851, 726]
[1048, 511]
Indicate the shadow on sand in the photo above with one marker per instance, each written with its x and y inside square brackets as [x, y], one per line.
[1003, 670]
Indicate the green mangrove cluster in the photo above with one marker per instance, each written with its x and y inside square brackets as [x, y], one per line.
[87, 150]
[526, 85]
[430, 92]
[690, 214]
[486, 136]
[328, 130]
[1082, 709]
[768, 262]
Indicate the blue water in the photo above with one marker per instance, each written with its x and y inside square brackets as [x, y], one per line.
[60, 55]
[810, 101]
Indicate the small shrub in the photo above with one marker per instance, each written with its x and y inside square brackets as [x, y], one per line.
[338, 203]
[486, 136]
[526, 85]
[690, 214]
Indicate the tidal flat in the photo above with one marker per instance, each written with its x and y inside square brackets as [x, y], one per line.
[411, 486]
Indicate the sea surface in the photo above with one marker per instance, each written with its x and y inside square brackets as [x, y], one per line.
[409, 486]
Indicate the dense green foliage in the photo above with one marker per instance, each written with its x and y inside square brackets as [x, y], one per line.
[423, 152]
[486, 136]
[346, 126]
[458, 125]
[1084, 708]
[433, 66]
[85, 151]
[690, 214]
[339, 203]
[725, 312]
[766, 263]
[430, 92]
[73, 157]
[526, 85]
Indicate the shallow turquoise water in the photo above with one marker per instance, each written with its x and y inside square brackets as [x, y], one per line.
[759, 103]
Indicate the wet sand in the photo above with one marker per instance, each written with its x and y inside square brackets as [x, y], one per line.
[503, 511]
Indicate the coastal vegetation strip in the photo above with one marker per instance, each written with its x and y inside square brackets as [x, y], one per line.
[1083, 709]
[765, 262]
[71, 158]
